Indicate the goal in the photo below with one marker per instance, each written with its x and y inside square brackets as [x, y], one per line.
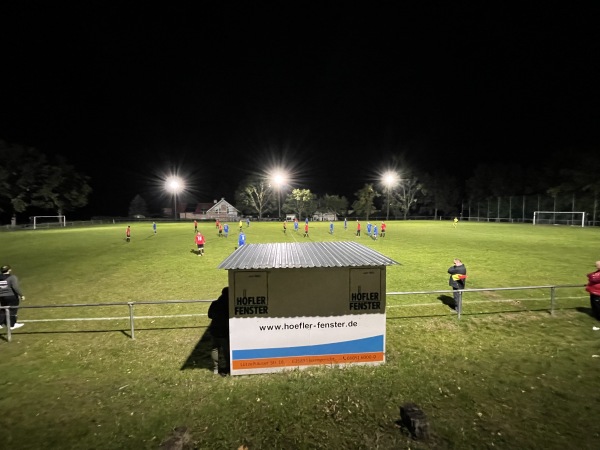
[573, 218]
[47, 222]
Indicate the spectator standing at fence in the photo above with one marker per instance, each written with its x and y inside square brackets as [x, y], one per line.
[593, 287]
[458, 277]
[218, 312]
[154, 227]
[10, 295]
[128, 234]
[200, 241]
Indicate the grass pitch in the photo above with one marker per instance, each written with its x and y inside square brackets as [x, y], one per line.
[506, 375]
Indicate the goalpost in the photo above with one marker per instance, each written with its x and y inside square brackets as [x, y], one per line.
[62, 221]
[559, 218]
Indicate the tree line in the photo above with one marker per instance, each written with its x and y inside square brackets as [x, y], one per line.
[30, 179]
[558, 182]
[567, 181]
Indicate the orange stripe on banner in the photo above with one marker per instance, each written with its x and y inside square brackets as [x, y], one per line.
[293, 361]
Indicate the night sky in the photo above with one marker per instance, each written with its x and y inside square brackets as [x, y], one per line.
[223, 90]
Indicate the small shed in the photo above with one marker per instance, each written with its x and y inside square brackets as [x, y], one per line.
[296, 305]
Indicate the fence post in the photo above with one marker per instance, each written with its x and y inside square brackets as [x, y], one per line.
[552, 295]
[130, 304]
[459, 306]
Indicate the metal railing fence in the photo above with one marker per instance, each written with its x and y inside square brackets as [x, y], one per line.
[130, 305]
[552, 289]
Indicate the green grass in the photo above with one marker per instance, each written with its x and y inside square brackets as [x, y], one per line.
[506, 375]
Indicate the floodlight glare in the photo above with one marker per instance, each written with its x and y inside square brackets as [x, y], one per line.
[279, 178]
[390, 179]
[175, 186]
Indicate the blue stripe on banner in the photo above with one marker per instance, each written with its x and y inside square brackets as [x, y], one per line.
[365, 345]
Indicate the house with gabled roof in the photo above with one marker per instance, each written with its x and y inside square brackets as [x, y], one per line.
[221, 209]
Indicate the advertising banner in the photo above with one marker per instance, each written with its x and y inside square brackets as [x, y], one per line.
[338, 323]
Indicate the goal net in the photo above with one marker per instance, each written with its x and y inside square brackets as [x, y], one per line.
[573, 218]
[49, 221]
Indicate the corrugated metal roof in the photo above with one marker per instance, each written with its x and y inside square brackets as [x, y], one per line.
[304, 255]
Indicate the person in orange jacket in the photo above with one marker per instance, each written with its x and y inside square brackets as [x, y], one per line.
[593, 287]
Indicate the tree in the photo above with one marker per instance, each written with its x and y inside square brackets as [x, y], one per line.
[333, 204]
[404, 198]
[60, 188]
[441, 193]
[28, 179]
[138, 206]
[300, 201]
[576, 179]
[18, 176]
[364, 204]
[255, 195]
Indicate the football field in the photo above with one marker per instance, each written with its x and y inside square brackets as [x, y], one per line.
[508, 374]
[92, 265]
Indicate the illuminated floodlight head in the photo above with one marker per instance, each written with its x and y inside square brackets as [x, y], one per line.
[174, 184]
[390, 179]
[279, 178]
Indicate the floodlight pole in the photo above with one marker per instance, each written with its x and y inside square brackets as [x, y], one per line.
[387, 216]
[389, 180]
[175, 205]
[175, 185]
[278, 179]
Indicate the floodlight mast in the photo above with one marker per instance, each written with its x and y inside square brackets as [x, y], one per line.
[390, 179]
[279, 180]
[175, 185]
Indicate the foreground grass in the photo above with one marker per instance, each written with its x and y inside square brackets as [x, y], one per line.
[507, 375]
[521, 380]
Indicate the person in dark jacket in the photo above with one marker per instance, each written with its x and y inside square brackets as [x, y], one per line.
[218, 312]
[593, 287]
[458, 276]
[10, 295]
